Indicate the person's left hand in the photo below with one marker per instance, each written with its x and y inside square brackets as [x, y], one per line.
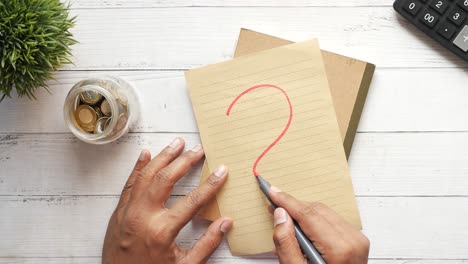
[142, 230]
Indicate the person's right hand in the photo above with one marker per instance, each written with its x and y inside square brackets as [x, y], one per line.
[337, 241]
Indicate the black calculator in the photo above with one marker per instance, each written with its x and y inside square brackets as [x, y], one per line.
[443, 20]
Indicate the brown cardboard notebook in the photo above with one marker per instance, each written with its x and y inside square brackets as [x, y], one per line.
[349, 80]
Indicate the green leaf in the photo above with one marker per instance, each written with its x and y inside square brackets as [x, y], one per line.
[35, 40]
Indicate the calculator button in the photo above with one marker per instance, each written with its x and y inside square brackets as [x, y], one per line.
[446, 30]
[440, 5]
[457, 16]
[461, 40]
[429, 18]
[463, 4]
[412, 7]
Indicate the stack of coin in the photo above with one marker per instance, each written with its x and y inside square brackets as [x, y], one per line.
[93, 113]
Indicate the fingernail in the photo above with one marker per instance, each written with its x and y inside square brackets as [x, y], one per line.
[220, 171]
[175, 143]
[143, 155]
[280, 216]
[226, 225]
[197, 148]
[275, 189]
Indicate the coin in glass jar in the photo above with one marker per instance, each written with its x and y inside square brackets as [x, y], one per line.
[101, 125]
[90, 97]
[86, 117]
[105, 108]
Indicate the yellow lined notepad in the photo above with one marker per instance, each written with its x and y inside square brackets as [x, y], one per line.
[309, 160]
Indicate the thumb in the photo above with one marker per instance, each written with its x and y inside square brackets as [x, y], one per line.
[286, 244]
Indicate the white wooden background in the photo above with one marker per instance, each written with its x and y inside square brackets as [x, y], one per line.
[410, 158]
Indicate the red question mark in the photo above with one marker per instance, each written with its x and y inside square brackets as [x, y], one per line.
[254, 169]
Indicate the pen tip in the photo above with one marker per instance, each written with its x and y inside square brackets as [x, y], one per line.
[255, 172]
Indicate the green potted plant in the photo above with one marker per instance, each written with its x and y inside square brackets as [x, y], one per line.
[34, 41]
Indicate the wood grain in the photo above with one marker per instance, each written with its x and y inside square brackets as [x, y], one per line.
[398, 100]
[381, 164]
[229, 3]
[70, 226]
[182, 38]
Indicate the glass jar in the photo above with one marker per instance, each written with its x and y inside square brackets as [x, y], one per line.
[101, 110]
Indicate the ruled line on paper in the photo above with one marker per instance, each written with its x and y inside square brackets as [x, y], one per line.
[302, 162]
[270, 103]
[277, 152]
[246, 109]
[255, 73]
[317, 184]
[266, 121]
[292, 91]
[277, 177]
[251, 83]
[291, 157]
[279, 159]
[269, 112]
[281, 176]
[299, 115]
[264, 205]
[297, 131]
[269, 217]
[290, 139]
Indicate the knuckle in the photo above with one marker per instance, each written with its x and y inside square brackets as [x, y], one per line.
[166, 154]
[213, 182]
[281, 239]
[210, 243]
[195, 198]
[319, 206]
[127, 187]
[130, 182]
[136, 174]
[163, 177]
[311, 209]
[189, 158]
[346, 252]
[364, 244]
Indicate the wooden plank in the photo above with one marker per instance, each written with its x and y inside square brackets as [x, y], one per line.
[229, 3]
[181, 38]
[68, 226]
[398, 100]
[381, 164]
[64, 165]
[165, 105]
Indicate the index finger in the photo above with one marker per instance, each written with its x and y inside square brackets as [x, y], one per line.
[186, 208]
[143, 160]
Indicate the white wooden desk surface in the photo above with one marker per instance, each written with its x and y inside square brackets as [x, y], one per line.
[410, 158]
